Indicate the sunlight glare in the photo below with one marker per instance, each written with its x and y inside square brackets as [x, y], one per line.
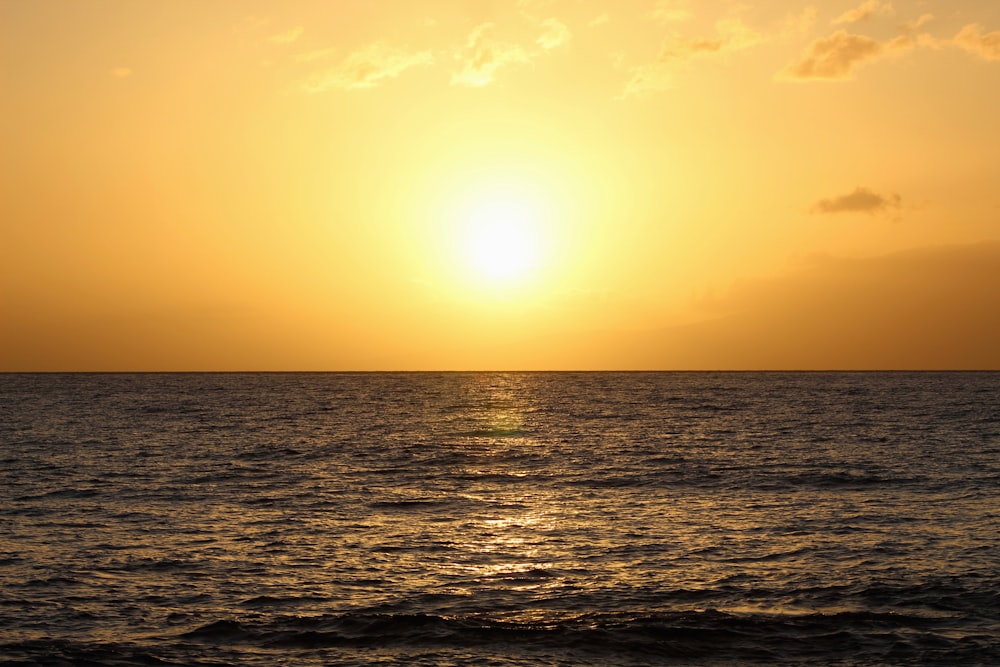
[502, 239]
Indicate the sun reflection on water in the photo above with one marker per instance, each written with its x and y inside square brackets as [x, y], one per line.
[507, 545]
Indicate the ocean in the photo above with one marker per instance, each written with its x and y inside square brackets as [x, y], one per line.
[500, 519]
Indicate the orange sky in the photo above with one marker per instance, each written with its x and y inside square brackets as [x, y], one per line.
[533, 184]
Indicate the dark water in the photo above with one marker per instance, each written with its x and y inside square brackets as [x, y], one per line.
[500, 519]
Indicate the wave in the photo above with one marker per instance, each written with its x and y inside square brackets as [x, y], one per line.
[711, 635]
[493, 433]
[499, 519]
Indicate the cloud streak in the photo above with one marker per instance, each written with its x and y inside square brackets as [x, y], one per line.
[732, 35]
[862, 12]
[287, 37]
[367, 68]
[314, 54]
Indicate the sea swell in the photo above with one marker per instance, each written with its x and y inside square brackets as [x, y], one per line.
[696, 637]
[500, 519]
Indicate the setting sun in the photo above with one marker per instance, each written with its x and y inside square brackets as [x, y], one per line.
[532, 184]
[501, 239]
[499, 331]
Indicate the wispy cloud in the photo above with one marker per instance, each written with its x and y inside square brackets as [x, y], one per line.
[863, 11]
[367, 68]
[121, 72]
[671, 11]
[483, 56]
[314, 54]
[556, 34]
[599, 20]
[835, 58]
[732, 34]
[861, 200]
[647, 79]
[287, 36]
[251, 23]
[972, 39]
[799, 23]
[911, 27]
[925, 308]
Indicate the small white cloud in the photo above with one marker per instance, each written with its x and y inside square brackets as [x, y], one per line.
[556, 34]
[483, 56]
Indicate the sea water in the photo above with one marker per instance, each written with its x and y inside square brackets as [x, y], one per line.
[500, 518]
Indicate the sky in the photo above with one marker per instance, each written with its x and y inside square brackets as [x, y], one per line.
[499, 185]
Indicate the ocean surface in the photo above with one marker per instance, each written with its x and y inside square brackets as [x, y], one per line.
[500, 519]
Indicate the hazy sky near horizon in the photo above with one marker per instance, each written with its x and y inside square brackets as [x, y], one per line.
[472, 184]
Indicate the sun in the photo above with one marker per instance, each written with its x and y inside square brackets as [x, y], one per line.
[502, 240]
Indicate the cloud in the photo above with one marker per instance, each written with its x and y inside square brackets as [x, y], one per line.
[556, 34]
[912, 27]
[599, 20]
[835, 58]
[287, 37]
[671, 11]
[863, 11]
[799, 23]
[366, 68]
[732, 35]
[930, 308]
[314, 54]
[647, 79]
[862, 200]
[972, 39]
[121, 72]
[483, 56]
